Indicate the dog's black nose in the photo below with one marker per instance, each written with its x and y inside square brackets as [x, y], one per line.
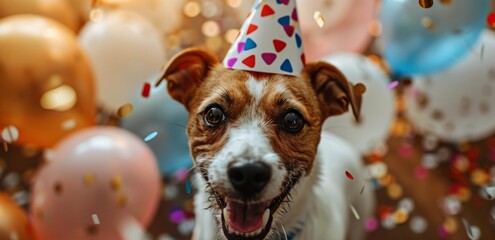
[249, 178]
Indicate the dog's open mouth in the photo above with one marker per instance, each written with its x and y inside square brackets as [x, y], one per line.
[243, 220]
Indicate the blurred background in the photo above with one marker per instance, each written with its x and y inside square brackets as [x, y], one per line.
[90, 148]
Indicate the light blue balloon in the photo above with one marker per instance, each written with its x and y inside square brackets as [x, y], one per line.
[410, 48]
[160, 113]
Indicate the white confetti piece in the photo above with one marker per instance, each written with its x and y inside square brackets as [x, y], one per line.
[10, 134]
[68, 124]
[473, 232]
[11, 180]
[489, 192]
[319, 19]
[186, 227]
[96, 219]
[407, 204]
[151, 136]
[356, 214]
[132, 230]
[418, 225]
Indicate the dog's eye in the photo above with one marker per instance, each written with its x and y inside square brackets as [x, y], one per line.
[213, 116]
[293, 121]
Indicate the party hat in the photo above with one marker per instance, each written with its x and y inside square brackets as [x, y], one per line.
[269, 40]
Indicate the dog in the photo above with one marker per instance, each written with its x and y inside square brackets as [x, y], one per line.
[264, 168]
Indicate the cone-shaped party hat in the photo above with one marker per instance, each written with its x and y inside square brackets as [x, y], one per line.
[269, 40]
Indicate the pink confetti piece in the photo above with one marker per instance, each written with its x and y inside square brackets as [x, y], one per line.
[349, 175]
[392, 85]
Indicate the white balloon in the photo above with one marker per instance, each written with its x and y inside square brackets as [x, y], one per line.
[164, 14]
[125, 50]
[377, 109]
[459, 103]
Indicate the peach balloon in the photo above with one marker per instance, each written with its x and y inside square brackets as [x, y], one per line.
[14, 224]
[59, 10]
[96, 183]
[46, 83]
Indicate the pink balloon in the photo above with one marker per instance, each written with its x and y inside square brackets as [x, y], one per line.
[346, 29]
[96, 181]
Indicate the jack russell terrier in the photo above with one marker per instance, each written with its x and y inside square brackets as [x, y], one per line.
[264, 168]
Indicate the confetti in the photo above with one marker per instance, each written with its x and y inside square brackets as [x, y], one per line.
[11, 180]
[10, 134]
[171, 192]
[426, 3]
[349, 175]
[427, 23]
[354, 212]
[21, 197]
[491, 20]
[186, 227]
[68, 124]
[188, 187]
[362, 190]
[452, 205]
[473, 232]
[96, 219]
[125, 110]
[407, 204]
[393, 85]
[151, 136]
[371, 224]
[418, 225]
[319, 19]
[146, 90]
[490, 192]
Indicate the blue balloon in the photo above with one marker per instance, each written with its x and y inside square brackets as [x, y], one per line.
[424, 41]
[160, 113]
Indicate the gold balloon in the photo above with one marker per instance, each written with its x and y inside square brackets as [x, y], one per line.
[14, 223]
[46, 83]
[60, 10]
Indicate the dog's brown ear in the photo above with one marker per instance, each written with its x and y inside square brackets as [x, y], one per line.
[185, 72]
[333, 91]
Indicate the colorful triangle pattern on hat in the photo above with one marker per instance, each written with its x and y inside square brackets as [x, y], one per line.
[269, 40]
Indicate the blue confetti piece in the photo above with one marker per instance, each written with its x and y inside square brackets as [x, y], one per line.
[151, 136]
[188, 187]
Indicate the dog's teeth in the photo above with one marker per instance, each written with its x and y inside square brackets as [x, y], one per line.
[266, 217]
[225, 214]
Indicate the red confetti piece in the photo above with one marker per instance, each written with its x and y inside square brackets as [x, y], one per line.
[146, 90]
[349, 175]
[491, 19]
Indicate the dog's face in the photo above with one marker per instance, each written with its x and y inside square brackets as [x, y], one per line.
[254, 136]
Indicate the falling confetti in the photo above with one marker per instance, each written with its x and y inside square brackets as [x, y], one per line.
[10, 134]
[354, 212]
[393, 85]
[426, 3]
[319, 19]
[490, 192]
[151, 136]
[473, 232]
[362, 190]
[349, 175]
[125, 110]
[146, 90]
[188, 187]
[96, 219]
[418, 225]
[491, 20]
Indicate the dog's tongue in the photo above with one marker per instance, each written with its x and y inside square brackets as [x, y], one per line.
[245, 218]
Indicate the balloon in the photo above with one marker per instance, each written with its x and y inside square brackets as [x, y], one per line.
[46, 83]
[160, 113]
[424, 41]
[378, 107]
[164, 14]
[459, 103]
[96, 180]
[347, 26]
[59, 10]
[125, 50]
[14, 223]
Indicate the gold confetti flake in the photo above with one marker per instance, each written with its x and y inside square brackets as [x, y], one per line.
[88, 179]
[121, 200]
[426, 3]
[125, 110]
[116, 183]
[319, 19]
[401, 216]
[428, 23]
[394, 191]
